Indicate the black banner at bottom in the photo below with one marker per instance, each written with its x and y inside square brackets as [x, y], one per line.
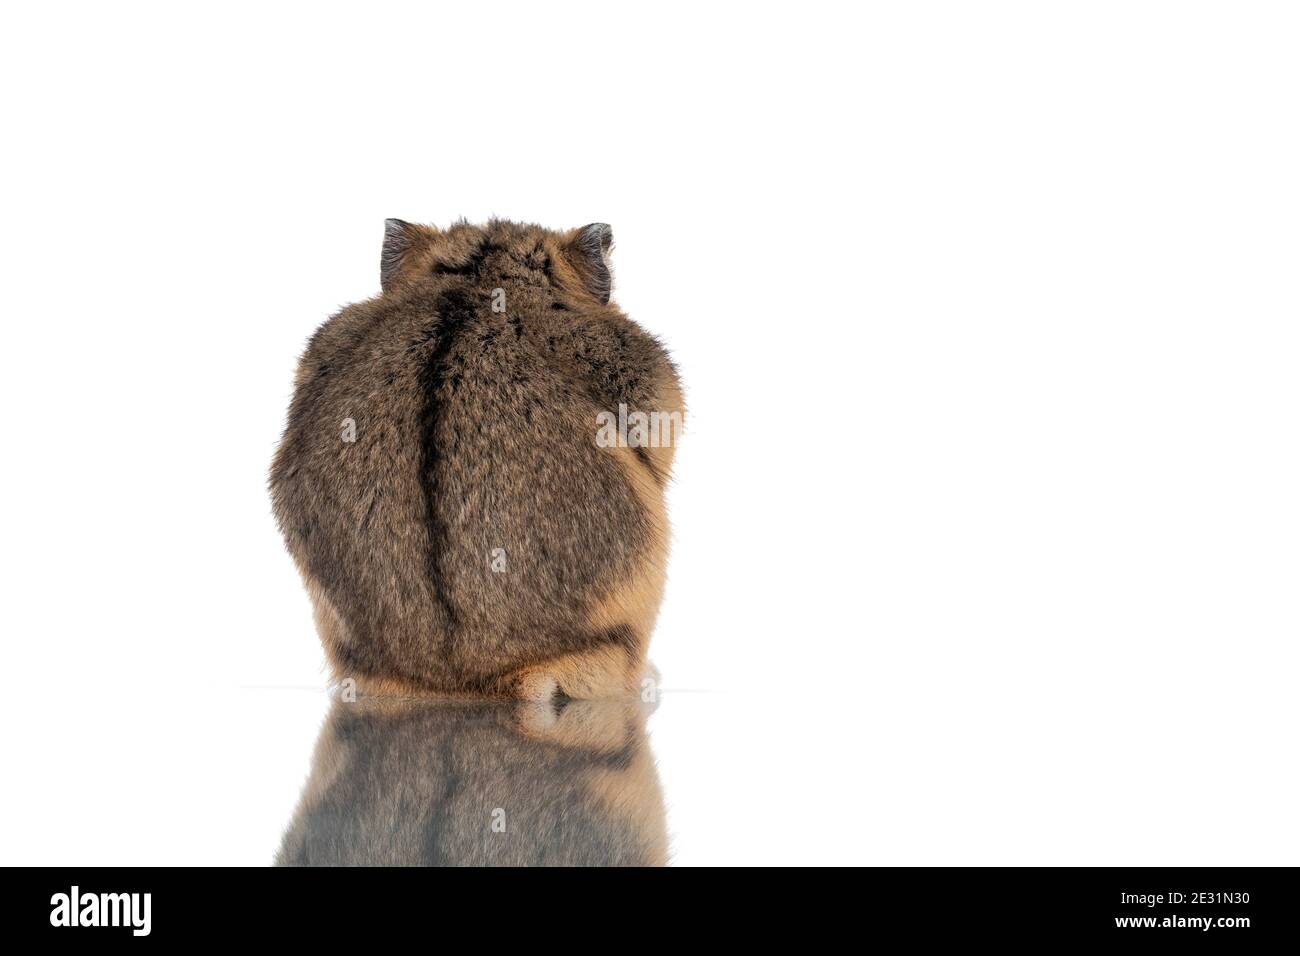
[1228, 907]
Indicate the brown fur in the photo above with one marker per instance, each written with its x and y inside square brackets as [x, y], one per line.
[418, 783]
[476, 430]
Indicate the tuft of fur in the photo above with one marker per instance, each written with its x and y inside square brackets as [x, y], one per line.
[475, 435]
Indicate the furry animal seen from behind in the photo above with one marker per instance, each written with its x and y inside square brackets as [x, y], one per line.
[440, 485]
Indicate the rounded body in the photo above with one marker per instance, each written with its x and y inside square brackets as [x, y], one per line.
[461, 522]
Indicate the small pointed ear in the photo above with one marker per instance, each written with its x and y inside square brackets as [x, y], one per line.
[398, 238]
[590, 255]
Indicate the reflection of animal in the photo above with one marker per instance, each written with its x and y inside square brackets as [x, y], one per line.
[465, 531]
[418, 783]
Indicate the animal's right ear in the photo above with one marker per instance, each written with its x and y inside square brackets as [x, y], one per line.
[400, 238]
[589, 252]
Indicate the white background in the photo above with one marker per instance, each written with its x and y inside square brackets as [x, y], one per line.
[987, 525]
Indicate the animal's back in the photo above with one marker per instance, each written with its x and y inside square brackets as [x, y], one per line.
[441, 486]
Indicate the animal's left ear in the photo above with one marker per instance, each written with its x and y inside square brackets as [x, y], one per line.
[400, 240]
[589, 251]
